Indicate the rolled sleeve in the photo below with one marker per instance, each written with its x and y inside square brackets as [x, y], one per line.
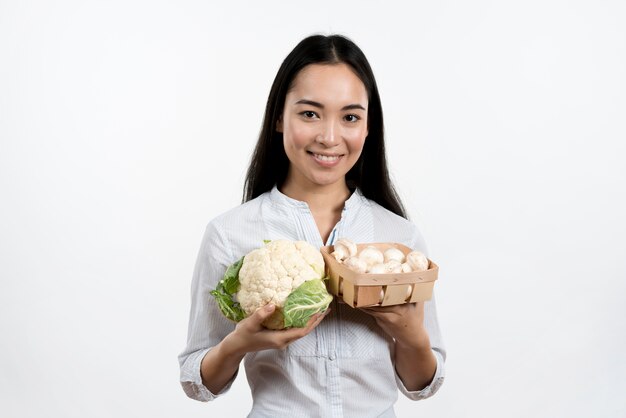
[207, 326]
[429, 390]
[438, 349]
[191, 380]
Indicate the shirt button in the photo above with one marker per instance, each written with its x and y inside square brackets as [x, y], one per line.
[332, 357]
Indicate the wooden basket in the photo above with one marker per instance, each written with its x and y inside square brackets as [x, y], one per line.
[364, 289]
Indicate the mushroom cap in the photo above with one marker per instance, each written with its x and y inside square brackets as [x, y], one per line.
[372, 255]
[417, 260]
[356, 264]
[393, 254]
[348, 244]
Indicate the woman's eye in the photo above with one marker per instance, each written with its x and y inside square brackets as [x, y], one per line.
[308, 114]
[351, 118]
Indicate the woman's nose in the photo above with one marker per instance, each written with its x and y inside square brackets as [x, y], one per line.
[329, 135]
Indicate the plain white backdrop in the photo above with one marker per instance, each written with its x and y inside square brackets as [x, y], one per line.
[125, 126]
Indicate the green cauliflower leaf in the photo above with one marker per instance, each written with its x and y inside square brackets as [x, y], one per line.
[226, 290]
[308, 299]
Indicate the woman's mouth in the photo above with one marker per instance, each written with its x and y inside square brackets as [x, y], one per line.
[326, 160]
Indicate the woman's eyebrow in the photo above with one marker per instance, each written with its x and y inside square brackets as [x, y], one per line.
[353, 106]
[321, 106]
[310, 103]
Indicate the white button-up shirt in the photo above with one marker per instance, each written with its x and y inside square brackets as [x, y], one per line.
[345, 366]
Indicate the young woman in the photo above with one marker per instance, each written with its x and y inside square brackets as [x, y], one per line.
[318, 172]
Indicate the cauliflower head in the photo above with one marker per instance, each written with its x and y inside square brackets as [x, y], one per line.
[288, 274]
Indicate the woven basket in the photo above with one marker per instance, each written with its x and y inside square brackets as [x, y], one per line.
[363, 289]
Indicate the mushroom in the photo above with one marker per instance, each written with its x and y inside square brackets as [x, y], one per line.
[350, 245]
[409, 291]
[393, 266]
[417, 260]
[378, 268]
[340, 253]
[371, 255]
[356, 264]
[344, 248]
[389, 267]
[393, 254]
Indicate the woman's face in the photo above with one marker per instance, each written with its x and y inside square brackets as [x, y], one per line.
[324, 124]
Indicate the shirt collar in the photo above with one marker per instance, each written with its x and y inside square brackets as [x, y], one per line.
[277, 197]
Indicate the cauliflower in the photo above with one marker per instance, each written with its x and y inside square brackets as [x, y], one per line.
[288, 274]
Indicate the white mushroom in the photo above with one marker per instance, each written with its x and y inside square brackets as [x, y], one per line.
[349, 245]
[378, 268]
[341, 252]
[409, 290]
[393, 254]
[393, 266]
[354, 263]
[417, 260]
[371, 255]
[406, 268]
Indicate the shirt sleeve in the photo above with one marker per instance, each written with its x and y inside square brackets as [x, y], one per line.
[438, 349]
[431, 323]
[207, 326]
[429, 390]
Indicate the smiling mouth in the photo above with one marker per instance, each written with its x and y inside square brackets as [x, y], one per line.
[326, 158]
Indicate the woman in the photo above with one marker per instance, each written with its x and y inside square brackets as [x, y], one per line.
[318, 172]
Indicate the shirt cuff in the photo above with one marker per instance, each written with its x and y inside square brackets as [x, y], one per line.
[191, 380]
[431, 389]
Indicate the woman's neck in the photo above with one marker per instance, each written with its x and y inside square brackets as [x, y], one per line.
[319, 198]
[325, 203]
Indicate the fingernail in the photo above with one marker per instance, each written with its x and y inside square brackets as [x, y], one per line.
[269, 308]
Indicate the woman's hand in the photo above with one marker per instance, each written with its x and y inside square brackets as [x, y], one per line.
[249, 335]
[221, 363]
[404, 323]
[414, 361]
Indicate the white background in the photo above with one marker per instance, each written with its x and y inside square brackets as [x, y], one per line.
[125, 126]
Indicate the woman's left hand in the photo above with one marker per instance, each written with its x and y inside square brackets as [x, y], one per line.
[415, 363]
[404, 323]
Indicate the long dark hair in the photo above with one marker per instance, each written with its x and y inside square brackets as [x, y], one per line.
[269, 163]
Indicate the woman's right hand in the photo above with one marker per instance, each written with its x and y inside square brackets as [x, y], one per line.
[250, 335]
[221, 363]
